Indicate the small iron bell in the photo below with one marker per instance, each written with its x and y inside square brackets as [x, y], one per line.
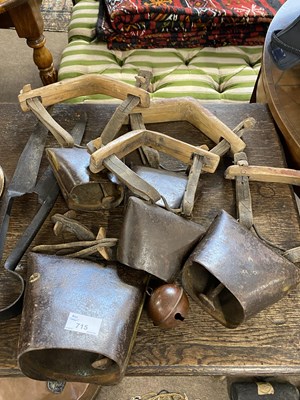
[168, 306]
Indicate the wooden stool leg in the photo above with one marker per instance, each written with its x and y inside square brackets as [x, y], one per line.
[29, 24]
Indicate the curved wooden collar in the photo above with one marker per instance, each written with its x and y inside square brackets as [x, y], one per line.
[82, 86]
[130, 141]
[190, 110]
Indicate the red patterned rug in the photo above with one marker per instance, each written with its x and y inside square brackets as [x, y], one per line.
[184, 23]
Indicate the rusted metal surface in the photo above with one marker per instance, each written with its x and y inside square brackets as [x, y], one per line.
[22, 182]
[201, 346]
[82, 190]
[155, 240]
[46, 188]
[171, 185]
[79, 319]
[234, 275]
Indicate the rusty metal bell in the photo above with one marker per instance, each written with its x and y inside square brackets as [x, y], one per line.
[168, 306]
[155, 240]
[234, 275]
[79, 319]
[82, 190]
[171, 185]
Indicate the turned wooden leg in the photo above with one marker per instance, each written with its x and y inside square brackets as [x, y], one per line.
[43, 59]
[29, 24]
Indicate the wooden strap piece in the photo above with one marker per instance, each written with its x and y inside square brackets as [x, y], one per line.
[191, 186]
[243, 194]
[118, 119]
[82, 86]
[149, 156]
[61, 135]
[190, 110]
[223, 146]
[130, 141]
[120, 115]
[135, 183]
[293, 255]
[264, 174]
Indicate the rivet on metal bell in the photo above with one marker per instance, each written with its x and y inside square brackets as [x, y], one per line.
[168, 306]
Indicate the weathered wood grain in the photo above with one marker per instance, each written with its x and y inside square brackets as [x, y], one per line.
[130, 141]
[80, 86]
[267, 344]
[264, 174]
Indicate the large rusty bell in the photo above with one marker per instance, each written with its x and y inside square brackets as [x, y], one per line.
[168, 306]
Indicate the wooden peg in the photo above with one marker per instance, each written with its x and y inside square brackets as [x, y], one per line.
[105, 252]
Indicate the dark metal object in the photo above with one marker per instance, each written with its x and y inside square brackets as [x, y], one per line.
[79, 319]
[23, 181]
[263, 391]
[47, 191]
[233, 275]
[155, 240]
[24, 177]
[168, 306]
[82, 190]
[170, 185]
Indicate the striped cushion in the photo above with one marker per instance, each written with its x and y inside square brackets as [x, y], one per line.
[211, 74]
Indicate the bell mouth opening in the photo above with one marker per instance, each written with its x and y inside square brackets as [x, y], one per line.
[212, 295]
[68, 365]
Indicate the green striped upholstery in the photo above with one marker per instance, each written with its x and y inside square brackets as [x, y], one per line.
[211, 74]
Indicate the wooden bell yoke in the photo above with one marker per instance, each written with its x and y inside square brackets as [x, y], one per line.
[185, 109]
[130, 141]
[105, 150]
[37, 99]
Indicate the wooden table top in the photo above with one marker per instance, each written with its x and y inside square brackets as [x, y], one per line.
[266, 344]
[282, 88]
[7, 5]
